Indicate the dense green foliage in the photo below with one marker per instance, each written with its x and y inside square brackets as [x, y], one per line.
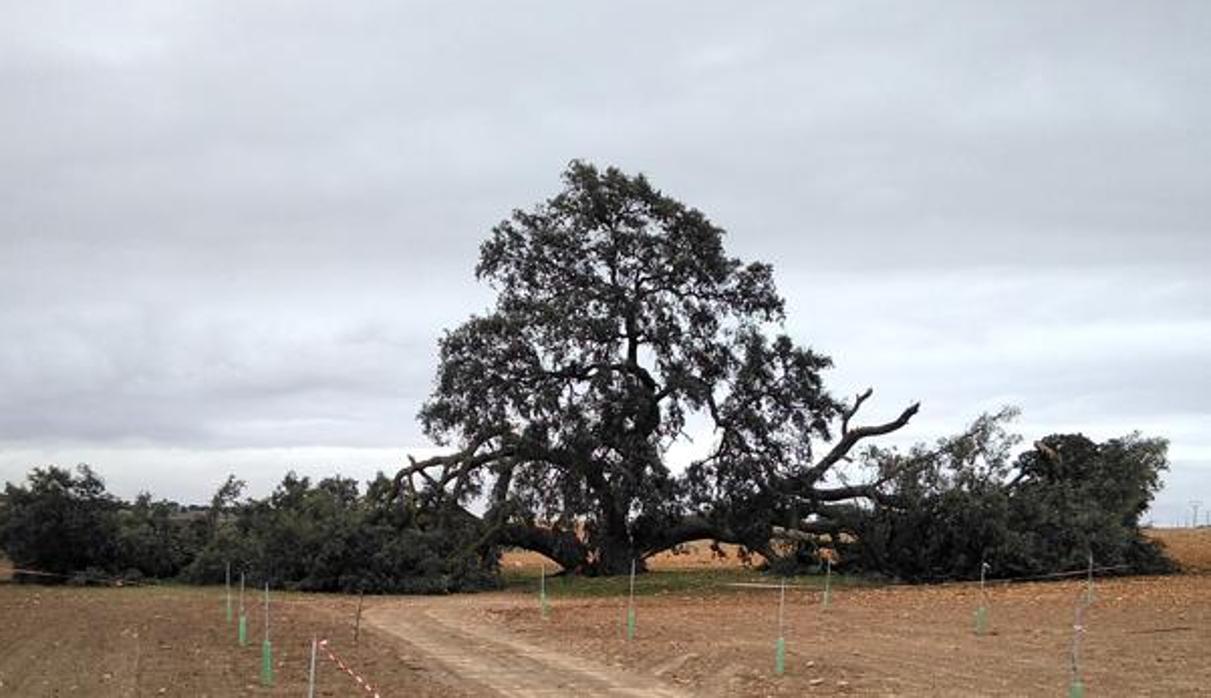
[968, 501]
[322, 536]
[326, 536]
[65, 523]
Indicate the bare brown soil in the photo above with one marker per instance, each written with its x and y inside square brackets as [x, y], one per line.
[692, 556]
[1190, 547]
[175, 641]
[1144, 637]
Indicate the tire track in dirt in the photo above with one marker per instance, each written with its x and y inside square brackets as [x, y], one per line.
[453, 632]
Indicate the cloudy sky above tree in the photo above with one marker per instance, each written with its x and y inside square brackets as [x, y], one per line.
[232, 234]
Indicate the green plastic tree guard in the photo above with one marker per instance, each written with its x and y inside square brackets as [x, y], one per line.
[266, 664]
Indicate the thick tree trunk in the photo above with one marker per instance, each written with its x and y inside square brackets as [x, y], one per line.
[613, 555]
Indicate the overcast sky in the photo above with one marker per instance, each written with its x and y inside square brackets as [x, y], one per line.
[231, 233]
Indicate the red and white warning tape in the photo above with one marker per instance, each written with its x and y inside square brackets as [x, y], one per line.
[345, 668]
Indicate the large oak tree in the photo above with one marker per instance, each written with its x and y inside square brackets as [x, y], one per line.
[619, 322]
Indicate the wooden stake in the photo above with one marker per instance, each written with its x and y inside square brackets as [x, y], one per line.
[1076, 688]
[780, 645]
[781, 605]
[243, 631]
[357, 621]
[631, 605]
[1089, 582]
[828, 580]
[315, 642]
[266, 611]
[542, 592]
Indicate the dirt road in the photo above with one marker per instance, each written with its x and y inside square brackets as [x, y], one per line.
[476, 655]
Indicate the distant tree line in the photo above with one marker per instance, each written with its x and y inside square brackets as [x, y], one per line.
[322, 536]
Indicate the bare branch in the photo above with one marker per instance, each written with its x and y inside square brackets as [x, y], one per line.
[455, 466]
[848, 414]
[851, 437]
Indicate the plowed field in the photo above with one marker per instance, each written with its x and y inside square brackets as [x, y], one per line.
[1142, 637]
[175, 641]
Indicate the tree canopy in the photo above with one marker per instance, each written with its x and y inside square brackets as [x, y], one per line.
[64, 523]
[968, 500]
[619, 318]
[329, 535]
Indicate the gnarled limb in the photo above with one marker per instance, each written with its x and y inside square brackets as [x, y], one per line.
[848, 413]
[851, 437]
[564, 547]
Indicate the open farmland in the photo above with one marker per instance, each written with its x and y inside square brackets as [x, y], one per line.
[175, 641]
[1145, 636]
[1190, 547]
[696, 635]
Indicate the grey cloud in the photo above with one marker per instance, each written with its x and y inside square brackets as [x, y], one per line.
[245, 226]
[156, 378]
